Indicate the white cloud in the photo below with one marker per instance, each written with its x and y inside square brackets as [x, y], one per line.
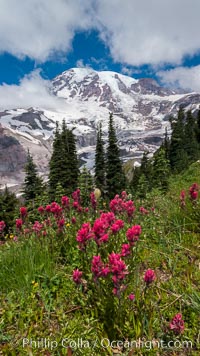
[39, 28]
[127, 71]
[182, 77]
[136, 31]
[153, 32]
[33, 91]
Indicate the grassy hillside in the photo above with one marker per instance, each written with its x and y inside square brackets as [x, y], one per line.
[124, 284]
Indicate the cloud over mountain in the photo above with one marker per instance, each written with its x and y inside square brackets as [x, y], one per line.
[182, 77]
[32, 90]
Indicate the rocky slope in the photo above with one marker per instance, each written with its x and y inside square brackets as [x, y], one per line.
[85, 97]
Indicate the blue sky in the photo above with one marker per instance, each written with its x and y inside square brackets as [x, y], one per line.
[87, 50]
[39, 39]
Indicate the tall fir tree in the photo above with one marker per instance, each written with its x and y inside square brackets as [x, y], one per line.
[73, 161]
[146, 166]
[64, 165]
[198, 128]
[190, 139]
[33, 185]
[115, 177]
[56, 163]
[142, 179]
[8, 207]
[86, 185]
[135, 180]
[161, 170]
[177, 155]
[100, 167]
[166, 144]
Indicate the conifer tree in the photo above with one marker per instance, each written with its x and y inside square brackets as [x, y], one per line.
[100, 178]
[166, 144]
[190, 140]
[8, 207]
[86, 185]
[56, 163]
[198, 128]
[64, 165]
[115, 177]
[135, 180]
[146, 166]
[32, 183]
[73, 161]
[177, 155]
[59, 193]
[161, 170]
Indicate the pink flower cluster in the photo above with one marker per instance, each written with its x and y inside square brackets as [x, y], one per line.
[133, 234]
[23, 212]
[143, 211]
[65, 202]
[19, 223]
[125, 250]
[149, 276]
[177, 324]
[77, 276]
[83, 235]
[116, 267]
[193, 191]
[55, 209]
[99, 269]
[99, 231]
[121, 205]
[76, 196]
[103, 225]
[117, 226]
[37, 227]
[2, 226]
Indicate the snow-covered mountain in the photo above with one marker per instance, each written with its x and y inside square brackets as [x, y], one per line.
[85, 97]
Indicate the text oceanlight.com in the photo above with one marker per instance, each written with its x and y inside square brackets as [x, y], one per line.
[105, 344]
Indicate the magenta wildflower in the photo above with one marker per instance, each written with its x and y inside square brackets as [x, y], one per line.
[56, 209]
[65, 201]
[193, 191]
[98, 268]
[19, 223]
[133, 233]
[118, 269]
[117, 226]
[124, 195]
[37, 227]
[149, 276]
[77, 276]
[177, 324]
[83, 235]
[61, 223]
[2, 225]
[76, 195]
[48, 208]
[143, 210]
[41, 209]
[129, 208]
[125, 250]
[131, 296]
[23, 211]
[73, 220]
